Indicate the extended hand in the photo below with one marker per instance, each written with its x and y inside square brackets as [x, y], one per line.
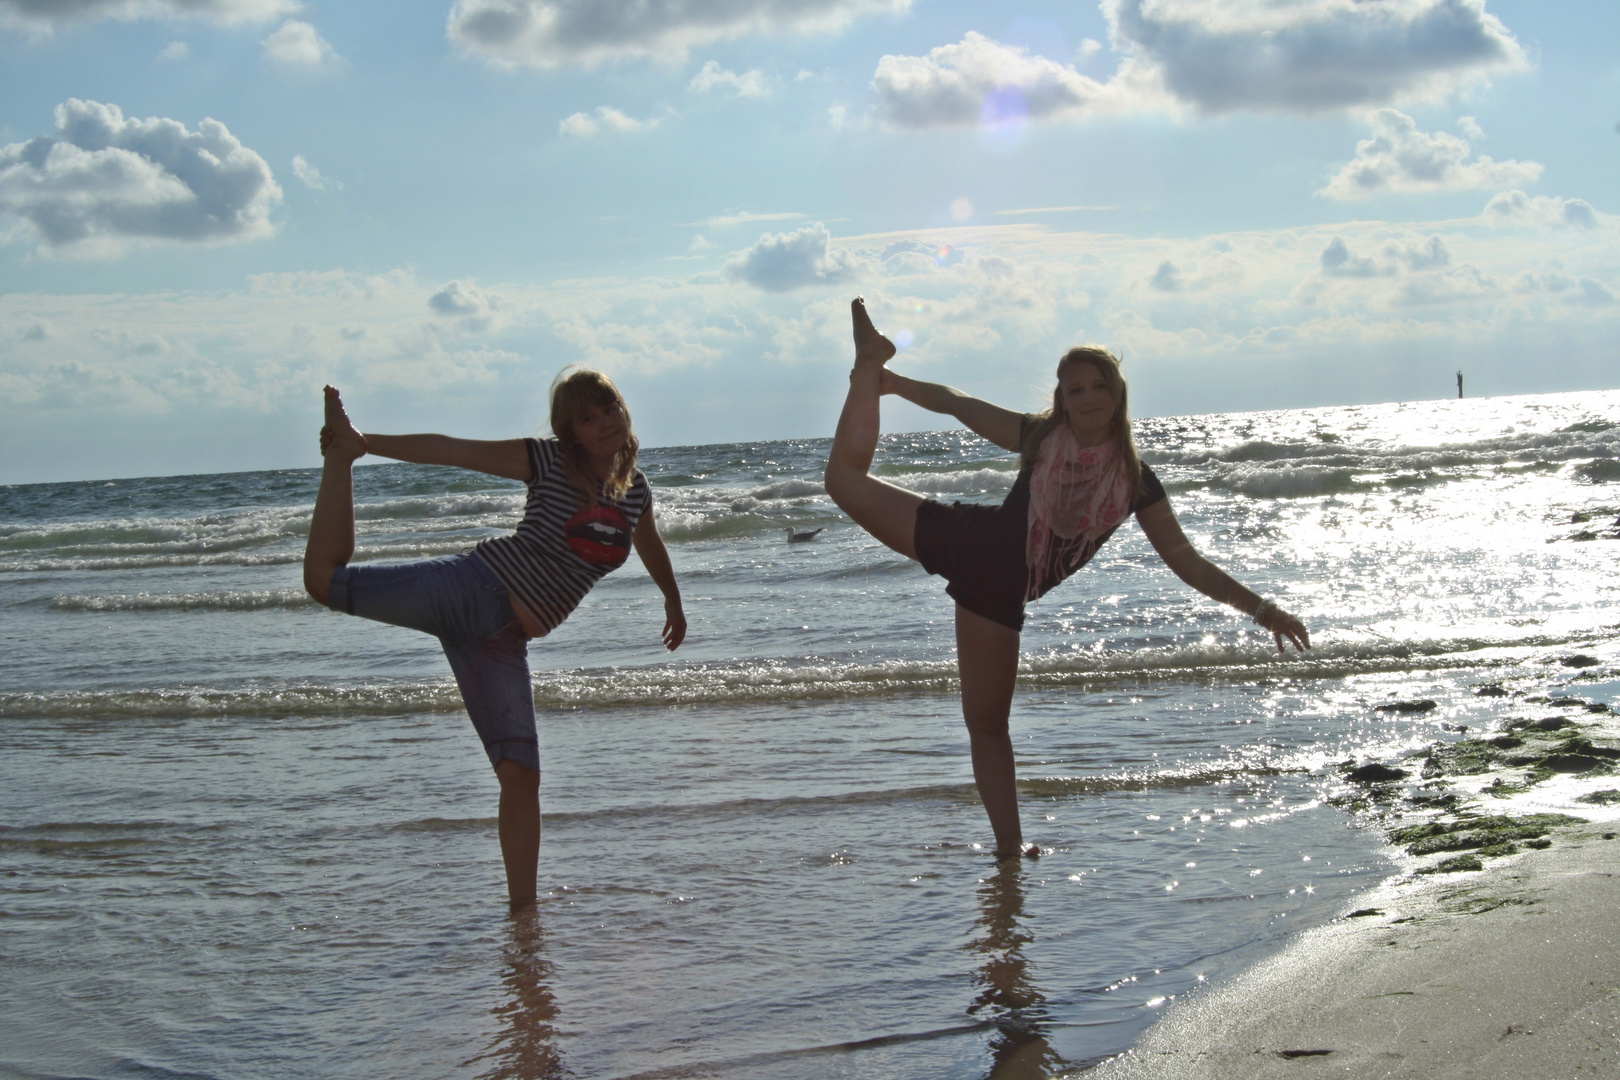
[674, 625]
[1282, 624]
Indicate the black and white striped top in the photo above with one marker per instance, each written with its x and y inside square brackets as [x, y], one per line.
[561, 549]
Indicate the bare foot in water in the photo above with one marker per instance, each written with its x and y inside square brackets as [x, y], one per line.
[870, 346]
[340, 438]
[1028, 851]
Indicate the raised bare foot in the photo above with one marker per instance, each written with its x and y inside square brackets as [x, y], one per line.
[871, 347]
[339, 438]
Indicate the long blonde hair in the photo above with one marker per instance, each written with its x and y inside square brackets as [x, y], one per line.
[574, 390]
[1119, 427]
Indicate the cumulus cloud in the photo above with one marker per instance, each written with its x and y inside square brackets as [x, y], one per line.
[780, 262]
[105, 182]
[310, 175]
[1517, 208]
[1337, 261]
[605, 120]
[747, 217]
[175, 51]
[47, 15]
[472, 307]
[298, 44]
[1401, 159]
[1463, 285]
[750, 84]
[1310, 55]
[981, 81]
[551, 33]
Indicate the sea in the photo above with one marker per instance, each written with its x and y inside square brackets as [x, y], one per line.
[243, 836]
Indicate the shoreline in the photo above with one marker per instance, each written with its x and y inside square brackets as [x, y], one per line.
[1497, 953]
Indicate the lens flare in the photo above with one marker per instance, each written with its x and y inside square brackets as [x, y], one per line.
[903, 339]
[962, 209]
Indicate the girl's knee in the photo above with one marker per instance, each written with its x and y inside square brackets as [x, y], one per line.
[517, 776]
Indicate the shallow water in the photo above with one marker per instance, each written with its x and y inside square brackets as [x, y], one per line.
[240, 835]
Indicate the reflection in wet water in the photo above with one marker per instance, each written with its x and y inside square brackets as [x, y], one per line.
[1007, 997]
[525, 1046]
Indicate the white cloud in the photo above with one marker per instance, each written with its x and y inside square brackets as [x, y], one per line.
[105, 182]
[551, 33]
[606, 119]
[1400, 159]
[47, 15]
[298, 44]
[310, 175]
[1517, 208]
[1310, 55]
[780, 262]
[1594, 293]
[473, 308]
[750, 84]
[747, 217]
[1337, 261]
[980, 81]
[1212, 56]
[175, 51]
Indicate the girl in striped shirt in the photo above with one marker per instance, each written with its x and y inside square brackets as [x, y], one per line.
[587, 506]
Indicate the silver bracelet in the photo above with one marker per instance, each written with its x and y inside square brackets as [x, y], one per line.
[1266, 608]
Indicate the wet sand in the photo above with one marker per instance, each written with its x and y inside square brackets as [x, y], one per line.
[1512, 970]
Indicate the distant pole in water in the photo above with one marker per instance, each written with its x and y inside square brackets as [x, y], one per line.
[1459, 386]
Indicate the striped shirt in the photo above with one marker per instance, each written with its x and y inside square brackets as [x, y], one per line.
[561, 549]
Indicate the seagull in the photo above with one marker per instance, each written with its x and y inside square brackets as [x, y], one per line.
[795, 537]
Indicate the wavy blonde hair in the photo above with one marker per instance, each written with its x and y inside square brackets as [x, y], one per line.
[1119, 428]
[574, 390]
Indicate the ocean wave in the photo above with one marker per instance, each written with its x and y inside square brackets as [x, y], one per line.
[1574, 444]
[248, 600]
[1285, 482]
[397, 552]
[769, 681]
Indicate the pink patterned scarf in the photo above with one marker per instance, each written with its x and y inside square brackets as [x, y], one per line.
[1076, 493]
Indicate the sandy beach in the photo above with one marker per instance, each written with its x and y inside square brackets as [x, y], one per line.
[1509, 970]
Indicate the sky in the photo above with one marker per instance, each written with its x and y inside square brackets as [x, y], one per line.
[210, 208]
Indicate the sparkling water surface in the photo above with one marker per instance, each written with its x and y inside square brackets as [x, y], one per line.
[243, 836]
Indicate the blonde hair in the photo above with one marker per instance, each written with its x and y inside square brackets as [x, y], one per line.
[1119, 427]
[574, 390]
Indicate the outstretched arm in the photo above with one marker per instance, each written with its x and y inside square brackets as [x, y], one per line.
[498, 457]
[1000, 426]
[655, 557]
[1164, 533]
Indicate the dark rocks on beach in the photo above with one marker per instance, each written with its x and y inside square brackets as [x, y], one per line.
[1420, 706]
[1580, 660]
[1491, 690]
[1454, 865]
[1485, 832]
[1606, 797]
[1362, 913]
[1376, 774]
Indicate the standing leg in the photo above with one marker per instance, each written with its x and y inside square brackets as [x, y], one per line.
[331, 527]
[888, 512]
[520, 831]
[987, 658]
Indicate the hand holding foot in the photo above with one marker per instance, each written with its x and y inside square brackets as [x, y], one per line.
[339, 437]
[870, 346]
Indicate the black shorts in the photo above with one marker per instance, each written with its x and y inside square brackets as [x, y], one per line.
[979, 551]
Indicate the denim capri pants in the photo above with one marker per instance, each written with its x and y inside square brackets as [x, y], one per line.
[459, 600]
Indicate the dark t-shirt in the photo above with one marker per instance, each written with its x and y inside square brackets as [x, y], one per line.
[979, 550]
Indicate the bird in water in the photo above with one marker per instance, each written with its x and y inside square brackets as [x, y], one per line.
[797, 537]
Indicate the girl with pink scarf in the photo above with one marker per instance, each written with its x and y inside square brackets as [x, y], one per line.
[1080, 479]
